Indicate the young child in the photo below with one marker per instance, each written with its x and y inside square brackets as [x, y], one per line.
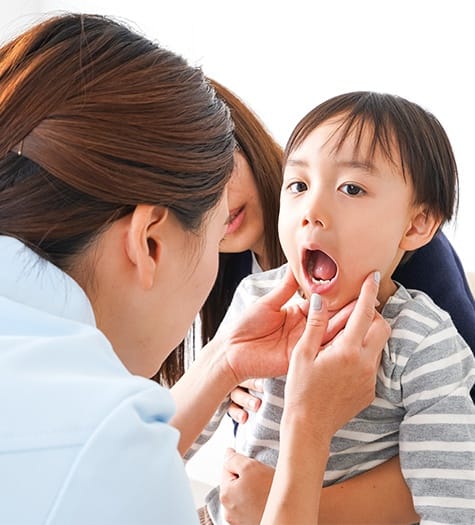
[368, 179]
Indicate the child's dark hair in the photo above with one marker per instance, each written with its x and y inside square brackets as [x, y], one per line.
[397, 124]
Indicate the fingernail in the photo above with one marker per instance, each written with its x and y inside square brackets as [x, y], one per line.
[377, 276]
[315, 302]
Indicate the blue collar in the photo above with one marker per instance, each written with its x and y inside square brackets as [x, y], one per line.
[27, 278]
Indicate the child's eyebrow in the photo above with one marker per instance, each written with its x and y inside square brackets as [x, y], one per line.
[297, 163]
[353, 164]
[357, 164]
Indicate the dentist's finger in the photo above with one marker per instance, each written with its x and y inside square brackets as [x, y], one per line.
[315, 328]
[364, 312]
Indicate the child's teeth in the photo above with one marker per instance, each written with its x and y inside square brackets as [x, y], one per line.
[321, 281]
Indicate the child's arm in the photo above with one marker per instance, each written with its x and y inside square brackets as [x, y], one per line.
[377, 497]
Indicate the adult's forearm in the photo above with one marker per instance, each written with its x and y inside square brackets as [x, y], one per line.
[200, 391]
[295, 492]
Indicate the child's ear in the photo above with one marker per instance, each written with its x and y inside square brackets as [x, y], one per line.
[143, 242]
[422, 227]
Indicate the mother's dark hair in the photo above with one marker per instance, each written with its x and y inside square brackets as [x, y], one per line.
[264, 157]
[95, 119]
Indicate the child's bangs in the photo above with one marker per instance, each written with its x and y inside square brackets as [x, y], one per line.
[370, 132]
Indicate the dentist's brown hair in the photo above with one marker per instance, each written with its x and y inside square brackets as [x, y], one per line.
[96, 119]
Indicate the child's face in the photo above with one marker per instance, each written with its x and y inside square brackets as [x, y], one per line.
[342, 218]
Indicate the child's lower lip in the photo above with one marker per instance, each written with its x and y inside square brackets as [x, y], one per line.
[237, 218]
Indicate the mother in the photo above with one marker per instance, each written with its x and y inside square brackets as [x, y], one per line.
[114, 157]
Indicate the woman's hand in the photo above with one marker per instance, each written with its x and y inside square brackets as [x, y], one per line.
[245, 485]
[377, 496]
[242, 398]
[260, 344]
[331, 383]
[326, 386]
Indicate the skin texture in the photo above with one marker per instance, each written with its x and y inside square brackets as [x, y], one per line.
[246, 228]
[264, 342]
[334, 201]
[159, 263]
[245, 485]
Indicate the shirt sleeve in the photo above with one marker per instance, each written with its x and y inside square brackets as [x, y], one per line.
[128, 472]
[437, 436]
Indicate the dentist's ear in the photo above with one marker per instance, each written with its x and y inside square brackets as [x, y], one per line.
[143, 241]
[421, 229]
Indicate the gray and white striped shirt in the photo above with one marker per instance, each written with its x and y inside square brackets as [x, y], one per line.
[423, 410]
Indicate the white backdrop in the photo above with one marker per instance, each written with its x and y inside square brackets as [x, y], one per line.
[283, 58]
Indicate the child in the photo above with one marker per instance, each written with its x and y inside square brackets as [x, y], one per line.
[368, 179]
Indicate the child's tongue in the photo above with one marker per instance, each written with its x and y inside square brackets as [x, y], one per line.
[324, 267]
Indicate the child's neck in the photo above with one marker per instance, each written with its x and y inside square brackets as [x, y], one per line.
[387, 288]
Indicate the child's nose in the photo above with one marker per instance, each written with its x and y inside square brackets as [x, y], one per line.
[315, 213]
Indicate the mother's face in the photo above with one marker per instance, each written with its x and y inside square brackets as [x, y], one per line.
[245, 229]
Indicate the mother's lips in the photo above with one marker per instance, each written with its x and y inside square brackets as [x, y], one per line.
[234, 220]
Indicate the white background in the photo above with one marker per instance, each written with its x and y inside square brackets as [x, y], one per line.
[283, 58]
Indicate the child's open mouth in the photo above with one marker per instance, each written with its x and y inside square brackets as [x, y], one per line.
[319, 266]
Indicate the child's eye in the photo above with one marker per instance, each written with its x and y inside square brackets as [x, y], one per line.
[352, 189]
[297, 187]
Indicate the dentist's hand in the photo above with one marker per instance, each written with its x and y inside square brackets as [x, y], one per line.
[242, 397]
[332, 382]
[261, 343]
[327, 384]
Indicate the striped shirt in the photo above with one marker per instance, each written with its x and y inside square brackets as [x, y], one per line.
[422, 410]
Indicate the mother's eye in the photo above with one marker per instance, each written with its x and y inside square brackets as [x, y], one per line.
[352, 189]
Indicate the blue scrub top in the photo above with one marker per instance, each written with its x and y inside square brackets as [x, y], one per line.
[82, 440]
